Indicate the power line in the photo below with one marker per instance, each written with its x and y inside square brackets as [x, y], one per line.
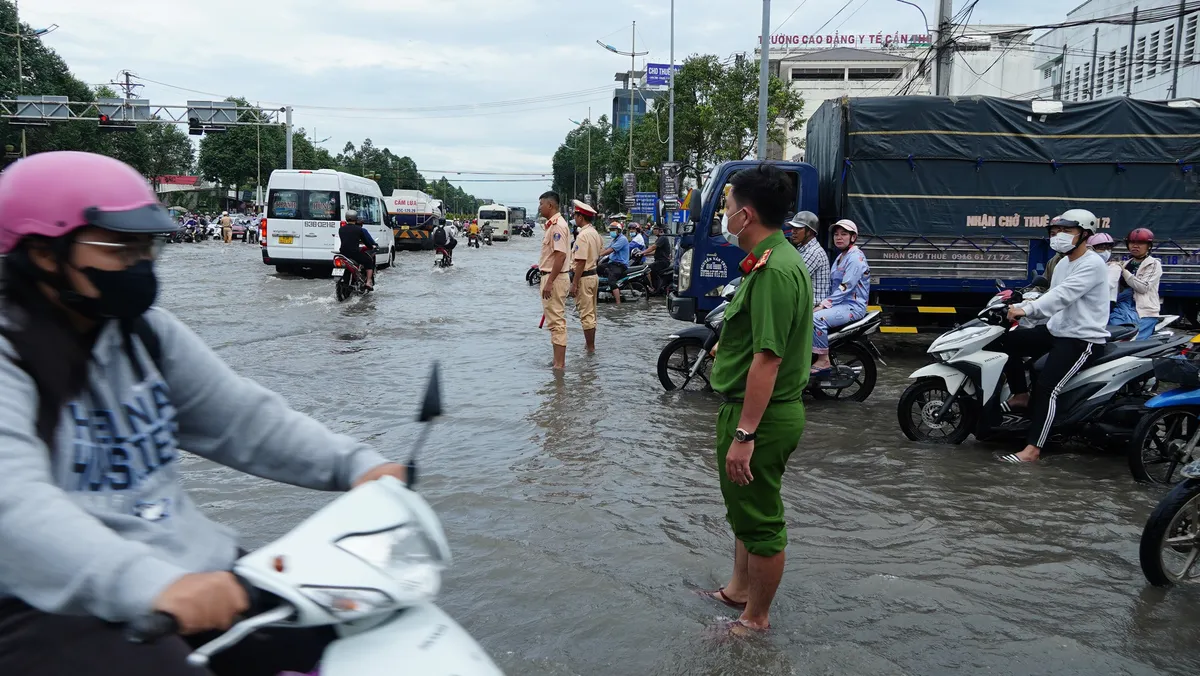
[486, 173]
[788, 18]
[856, 11]
[833, 17]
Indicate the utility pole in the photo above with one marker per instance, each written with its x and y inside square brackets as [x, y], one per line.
[632, 68]
[764, 66]
[20, 67]
[258, 144]
[1129, 64]
[671, 113]
[1177, 44]
[127, 85]
[589, 133]
[1092, 79]
[945, 54]
[288, 131]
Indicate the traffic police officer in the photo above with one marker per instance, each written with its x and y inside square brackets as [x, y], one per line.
[553, 264]
[761, 370]
[585, 285]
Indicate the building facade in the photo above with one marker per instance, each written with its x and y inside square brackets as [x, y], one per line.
[1153, 59]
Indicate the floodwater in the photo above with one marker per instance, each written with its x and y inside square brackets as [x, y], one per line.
[583, 510]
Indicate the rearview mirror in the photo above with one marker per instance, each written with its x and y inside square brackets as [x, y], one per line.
[999, 284]
[1041, 282]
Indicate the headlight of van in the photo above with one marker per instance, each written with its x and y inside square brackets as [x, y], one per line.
[685, 270]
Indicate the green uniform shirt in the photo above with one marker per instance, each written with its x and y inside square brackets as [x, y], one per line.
[772, 310]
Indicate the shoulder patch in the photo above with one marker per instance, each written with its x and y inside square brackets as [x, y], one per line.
[557, 236]
[763, 261]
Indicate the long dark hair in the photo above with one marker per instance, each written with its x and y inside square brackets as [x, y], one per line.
[47, 346]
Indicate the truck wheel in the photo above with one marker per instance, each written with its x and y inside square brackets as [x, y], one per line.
[919, 405]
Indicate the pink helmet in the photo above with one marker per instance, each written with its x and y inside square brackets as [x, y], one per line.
[1100, 238]
[52, 194]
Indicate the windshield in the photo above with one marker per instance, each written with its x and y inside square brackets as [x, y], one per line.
[493, 215]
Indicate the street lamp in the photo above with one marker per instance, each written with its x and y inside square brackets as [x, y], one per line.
[20, 35]
[632, 54]
[588, 122]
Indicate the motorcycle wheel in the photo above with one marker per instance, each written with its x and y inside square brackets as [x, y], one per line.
[639, 287]
[342, 290]
[1170, 543]
[534, 277]
[858, 359]
[1156, 450]
[921, 402]
[675, 363]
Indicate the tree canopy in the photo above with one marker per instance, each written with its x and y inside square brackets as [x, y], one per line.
[716, 119]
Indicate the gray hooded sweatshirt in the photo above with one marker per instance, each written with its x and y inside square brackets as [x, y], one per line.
[100, 525]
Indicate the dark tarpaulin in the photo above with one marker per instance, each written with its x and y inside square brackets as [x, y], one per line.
[1128, 161]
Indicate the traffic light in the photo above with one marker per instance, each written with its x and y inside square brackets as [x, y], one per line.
[194, 127]
[108, 124]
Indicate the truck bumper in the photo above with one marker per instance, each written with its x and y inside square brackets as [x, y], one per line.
[681, 307]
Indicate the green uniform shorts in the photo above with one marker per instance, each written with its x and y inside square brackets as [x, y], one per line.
[755, 511]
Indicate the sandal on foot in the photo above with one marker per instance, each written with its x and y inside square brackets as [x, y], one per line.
[820, 373]
[739, 627]
[1012, 458]
[720, 597]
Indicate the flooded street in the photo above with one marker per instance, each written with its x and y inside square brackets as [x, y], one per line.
[583, 510]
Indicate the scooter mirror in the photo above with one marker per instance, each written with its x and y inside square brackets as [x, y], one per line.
[1041, 282]
[431, 407]
[999, 284]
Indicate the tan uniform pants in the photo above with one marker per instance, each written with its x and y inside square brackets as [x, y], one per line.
[227, 234]
[585, 301]
[555, 308]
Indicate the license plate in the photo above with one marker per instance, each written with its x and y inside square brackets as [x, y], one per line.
[404, 228]
[337, 272]
[286, 239]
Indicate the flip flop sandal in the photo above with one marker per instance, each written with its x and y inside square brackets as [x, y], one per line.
[739, 627]
[720, 597]
[1012, 458]
[821, 373]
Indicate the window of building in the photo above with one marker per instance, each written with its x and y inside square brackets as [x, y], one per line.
[818, 74]
[876, 73]
[1189, 38]
[1168, 50]
[1139, 60]
[1122, 68]
[1152, 56]
[1076, 85]
[1100, 72]
[1087, 82]
[1112, 70]
[1047, 72]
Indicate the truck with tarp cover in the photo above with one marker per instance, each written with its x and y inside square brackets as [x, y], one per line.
[951, 194]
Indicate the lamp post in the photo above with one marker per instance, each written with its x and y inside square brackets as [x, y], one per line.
[588, 122]
[632, 54]
[20, 35]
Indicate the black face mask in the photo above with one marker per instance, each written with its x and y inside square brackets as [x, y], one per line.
[124, 294]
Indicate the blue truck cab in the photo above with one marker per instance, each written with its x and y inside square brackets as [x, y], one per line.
[707, 262]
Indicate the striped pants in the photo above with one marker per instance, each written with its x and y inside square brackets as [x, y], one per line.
[1067, 356]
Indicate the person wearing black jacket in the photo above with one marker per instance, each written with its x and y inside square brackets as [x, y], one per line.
[352, 234]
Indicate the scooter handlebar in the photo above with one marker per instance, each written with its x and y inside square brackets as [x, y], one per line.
[158, 625]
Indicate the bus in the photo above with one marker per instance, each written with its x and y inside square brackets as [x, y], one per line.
[497, 216]
[516, 216]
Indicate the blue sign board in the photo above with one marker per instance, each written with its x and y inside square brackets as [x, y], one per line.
[659, 74]
[680, 216]
[645, 203]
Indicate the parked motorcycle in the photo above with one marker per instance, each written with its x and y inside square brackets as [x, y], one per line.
[1165, 439]
[369, 565]
[636, 279]
[353, 279]
[688, 358]
[961, 394]
[1170, 545]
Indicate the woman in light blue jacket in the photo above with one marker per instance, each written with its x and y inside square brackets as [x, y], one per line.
[850, 285]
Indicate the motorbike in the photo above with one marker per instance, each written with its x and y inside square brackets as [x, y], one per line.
[961, 393]
[688, 358]
[525, 230]
[369, 564]
[444, 259]
[533, 275]
[1164, 441]
[472, 240]
[635, 280]
[353, 280]
[1170, 544]
[487, 236]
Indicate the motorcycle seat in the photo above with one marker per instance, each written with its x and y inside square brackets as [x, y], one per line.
[1106, 353]
[1118, 332]
[857, 323]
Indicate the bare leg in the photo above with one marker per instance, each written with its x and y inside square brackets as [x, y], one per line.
[765, 574]
[590, 336]
[616, 295]
[821, 361]
[560, 357]
[370, 277]
[738, 587]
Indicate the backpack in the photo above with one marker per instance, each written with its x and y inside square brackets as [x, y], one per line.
[439, 236]
[139, 327]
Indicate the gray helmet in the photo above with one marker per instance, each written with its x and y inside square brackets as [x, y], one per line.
[806, 219]
[352, 216]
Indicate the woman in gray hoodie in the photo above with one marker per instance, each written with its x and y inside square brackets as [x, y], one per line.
[101, 391]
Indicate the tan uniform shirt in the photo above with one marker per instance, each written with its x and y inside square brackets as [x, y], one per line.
[588, 246]
[557, 238]
[227, 222]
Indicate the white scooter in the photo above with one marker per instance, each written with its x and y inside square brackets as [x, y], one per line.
[369, 565]
[962, 393]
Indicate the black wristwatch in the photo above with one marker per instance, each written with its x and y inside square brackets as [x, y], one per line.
[743, 436]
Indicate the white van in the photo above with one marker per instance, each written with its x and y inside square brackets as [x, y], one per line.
[497, 216]
[299, 232]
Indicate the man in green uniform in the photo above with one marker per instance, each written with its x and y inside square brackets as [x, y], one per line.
[761, 370]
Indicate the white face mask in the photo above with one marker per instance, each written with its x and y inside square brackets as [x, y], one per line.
[729, 236]
[1105, 255]
[1063, 242]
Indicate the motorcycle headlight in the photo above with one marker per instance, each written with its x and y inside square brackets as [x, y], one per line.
[685, 270]
[941, 357]
[349, 603]
[406, 554]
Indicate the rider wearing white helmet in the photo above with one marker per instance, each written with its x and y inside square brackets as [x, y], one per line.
[1077, 307]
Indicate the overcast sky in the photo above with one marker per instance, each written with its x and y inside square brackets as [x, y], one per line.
[352, 67]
